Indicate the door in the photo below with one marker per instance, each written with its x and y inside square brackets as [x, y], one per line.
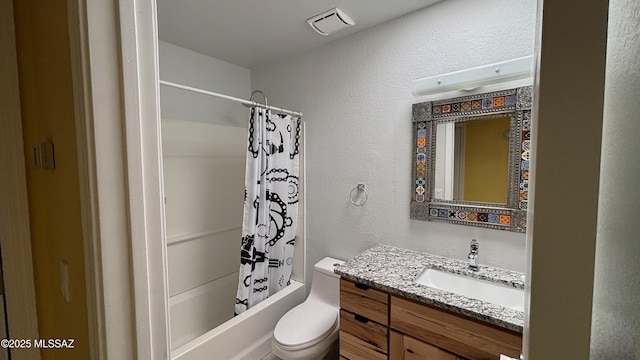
[4, 332]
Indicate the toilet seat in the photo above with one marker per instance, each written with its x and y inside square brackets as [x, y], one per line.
[305, 325]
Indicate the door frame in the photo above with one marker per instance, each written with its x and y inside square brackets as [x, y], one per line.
[118, 137]
[89, 196]
[116, 94]
[15, 233]
[143, 144]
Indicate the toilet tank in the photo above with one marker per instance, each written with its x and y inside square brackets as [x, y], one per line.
[325, 284]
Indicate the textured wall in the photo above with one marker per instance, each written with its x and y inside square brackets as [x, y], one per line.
[356, 101]
[616, 311]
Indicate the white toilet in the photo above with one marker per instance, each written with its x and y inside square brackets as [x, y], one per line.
[310, 330]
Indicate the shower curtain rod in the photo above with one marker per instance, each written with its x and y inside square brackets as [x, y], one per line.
[247, 103]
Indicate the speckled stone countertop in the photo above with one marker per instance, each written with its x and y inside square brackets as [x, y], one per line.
[394, 270]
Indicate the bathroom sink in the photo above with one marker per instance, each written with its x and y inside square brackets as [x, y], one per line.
[473, 288]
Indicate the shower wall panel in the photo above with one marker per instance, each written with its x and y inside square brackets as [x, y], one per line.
[204, 190]
[203, 144]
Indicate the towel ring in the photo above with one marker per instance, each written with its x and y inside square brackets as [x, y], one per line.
[360, 188]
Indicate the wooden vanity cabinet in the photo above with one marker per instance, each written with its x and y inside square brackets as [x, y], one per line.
[375, 326]
[403, 347]
[463, 336]
[364, 320]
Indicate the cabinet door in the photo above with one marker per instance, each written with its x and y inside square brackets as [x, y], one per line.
[403, 347]
[365, 301]
[368, 331]
[352, 348]
[470, 338]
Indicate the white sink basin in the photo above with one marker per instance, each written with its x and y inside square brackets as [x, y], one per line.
[490, 292]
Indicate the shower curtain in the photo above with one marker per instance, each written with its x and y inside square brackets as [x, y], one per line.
[270, 207]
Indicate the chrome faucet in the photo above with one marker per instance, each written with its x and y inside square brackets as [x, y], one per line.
[473, 255]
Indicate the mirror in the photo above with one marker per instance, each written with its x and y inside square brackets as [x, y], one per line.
[471, 159]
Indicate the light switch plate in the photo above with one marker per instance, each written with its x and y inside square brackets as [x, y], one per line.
[438, 194]
[44, 156]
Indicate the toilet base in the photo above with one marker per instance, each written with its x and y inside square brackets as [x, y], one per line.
[329, 353]
[334, 352]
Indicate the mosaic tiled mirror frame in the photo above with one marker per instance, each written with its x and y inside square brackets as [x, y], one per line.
[514, 103]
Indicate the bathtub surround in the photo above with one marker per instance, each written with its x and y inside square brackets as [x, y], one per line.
[204, 143]
[245, 337]
[203, 177]
[355, 94]
[203, 150]
[270, 218]
[187, 67]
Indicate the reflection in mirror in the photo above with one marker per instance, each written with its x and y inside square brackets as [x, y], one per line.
[472, 160]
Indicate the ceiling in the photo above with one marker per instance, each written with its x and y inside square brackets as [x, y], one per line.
[249, 33]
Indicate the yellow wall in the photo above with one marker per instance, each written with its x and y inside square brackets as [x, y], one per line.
[54, 200]
[486, 161]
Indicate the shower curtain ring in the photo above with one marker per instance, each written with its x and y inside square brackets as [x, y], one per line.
[254, 92]
[362, 189]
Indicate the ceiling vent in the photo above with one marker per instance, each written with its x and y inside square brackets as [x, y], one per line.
[330, 21]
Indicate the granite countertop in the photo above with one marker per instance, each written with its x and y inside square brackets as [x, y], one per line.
[394, 270]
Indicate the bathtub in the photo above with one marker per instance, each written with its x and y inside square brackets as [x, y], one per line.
[247, 336]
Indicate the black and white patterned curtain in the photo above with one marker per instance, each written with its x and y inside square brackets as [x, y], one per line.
[270, 207]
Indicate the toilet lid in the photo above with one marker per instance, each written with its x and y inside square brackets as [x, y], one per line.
[305, 324]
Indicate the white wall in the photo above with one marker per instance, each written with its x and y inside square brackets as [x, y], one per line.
[203, 143]
[356, 101]
[187, 67]
[616, 311]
